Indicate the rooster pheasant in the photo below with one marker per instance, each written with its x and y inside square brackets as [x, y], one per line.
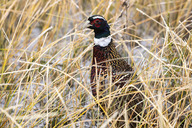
[107, 65]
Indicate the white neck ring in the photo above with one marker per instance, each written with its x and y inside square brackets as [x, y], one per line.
[103, 42]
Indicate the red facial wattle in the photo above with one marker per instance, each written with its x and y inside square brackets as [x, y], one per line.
[96, 23]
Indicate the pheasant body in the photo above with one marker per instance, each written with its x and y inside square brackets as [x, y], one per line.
[106, 57]
[107, 64]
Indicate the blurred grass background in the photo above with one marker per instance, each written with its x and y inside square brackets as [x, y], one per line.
[45, 60]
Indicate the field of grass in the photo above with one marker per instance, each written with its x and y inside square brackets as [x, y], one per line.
[46, 52]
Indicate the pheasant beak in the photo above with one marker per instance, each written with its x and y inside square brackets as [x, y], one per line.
[87, 24]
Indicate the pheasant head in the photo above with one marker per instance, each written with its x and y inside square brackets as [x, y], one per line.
[101, 29]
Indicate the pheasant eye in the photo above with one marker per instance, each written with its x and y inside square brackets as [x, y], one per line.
[97, 21]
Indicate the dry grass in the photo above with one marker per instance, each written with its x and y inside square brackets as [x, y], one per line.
[46, 56]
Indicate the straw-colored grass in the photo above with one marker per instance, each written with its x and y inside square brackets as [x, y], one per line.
[46, 56]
